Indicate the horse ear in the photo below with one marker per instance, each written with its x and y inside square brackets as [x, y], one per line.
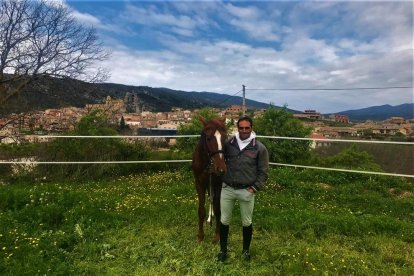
[201, 118]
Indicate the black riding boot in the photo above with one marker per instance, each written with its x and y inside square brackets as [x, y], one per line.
[224, 233]
[247, 239]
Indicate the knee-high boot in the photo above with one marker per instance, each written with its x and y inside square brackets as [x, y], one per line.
[247, 237]
[224, 234]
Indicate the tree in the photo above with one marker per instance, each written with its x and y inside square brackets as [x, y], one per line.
[96, 123]
[122, 124]
[41, 38]
[91, 149]
[280, 122]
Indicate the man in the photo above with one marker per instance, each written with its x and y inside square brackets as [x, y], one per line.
[247, 171]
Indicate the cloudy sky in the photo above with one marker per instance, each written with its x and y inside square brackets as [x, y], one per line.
[218, 46]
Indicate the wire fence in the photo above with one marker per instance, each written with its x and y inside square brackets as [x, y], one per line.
[33, 162]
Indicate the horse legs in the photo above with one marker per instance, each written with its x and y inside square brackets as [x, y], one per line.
[217, 212]
[201, 193]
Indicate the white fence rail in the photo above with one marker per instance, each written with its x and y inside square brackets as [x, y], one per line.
[29, 162]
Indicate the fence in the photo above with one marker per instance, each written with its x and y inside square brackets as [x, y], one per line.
[30, 162]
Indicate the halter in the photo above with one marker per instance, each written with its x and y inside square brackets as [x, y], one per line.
[210, 154]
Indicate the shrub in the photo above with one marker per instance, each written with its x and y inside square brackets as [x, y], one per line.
[90, 149]
[280, 122]
[351, 158]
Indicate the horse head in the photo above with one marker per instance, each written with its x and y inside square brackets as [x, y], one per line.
[213, 136]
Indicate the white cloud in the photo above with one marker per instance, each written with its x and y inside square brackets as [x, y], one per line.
[86, 18]
[253, 22]
[151, 16]
[247, 13]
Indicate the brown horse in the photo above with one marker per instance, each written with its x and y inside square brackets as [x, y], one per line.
[208, 167]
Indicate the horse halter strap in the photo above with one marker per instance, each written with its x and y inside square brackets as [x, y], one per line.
[210, 154]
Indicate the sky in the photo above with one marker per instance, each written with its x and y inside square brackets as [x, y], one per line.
[268, 46]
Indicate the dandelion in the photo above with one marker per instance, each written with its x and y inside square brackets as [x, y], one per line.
[78, 230]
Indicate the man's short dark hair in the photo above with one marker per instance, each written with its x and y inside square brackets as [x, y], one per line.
[245, 118]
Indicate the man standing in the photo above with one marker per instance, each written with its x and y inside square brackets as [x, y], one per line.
[247, 171]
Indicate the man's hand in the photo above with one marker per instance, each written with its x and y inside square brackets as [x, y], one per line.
[251, 190]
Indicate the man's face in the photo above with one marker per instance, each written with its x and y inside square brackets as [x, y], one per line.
[245, 129]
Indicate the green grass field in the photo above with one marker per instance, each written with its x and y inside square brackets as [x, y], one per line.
[306, 223]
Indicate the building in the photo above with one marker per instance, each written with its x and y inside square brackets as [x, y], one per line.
[395, 120]
[341, 119]
[320, 142]
[234, 111]
[309, 114]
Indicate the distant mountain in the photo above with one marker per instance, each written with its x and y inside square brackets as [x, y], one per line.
[162, 99]
[57, 93]
[381, 112]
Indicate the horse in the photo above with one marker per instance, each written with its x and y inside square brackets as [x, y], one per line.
[208, 167]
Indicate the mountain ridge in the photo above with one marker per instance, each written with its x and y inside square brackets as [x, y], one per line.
[50, 92]
[380, 112]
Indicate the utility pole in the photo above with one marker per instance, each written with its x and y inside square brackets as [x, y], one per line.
[244, 100]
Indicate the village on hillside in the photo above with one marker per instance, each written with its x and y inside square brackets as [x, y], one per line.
[131, 111]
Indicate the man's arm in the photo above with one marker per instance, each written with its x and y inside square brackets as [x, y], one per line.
[262, 169]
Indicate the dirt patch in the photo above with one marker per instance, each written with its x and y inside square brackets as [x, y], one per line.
[324, 186]
[406, 194]
[401, 194]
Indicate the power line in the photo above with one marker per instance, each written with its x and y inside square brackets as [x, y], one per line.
[226, 99]
[333, 89]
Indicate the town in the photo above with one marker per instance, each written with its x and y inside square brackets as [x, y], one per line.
[131, 112]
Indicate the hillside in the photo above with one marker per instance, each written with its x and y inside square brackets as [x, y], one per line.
[57, 93]
[381, 112]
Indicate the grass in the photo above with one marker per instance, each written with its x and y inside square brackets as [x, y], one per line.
[306, 223]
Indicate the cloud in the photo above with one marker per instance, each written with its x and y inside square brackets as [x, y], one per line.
[223, 66]
[217, 47]
[86, 18]
[151, 16]
[250, 20]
